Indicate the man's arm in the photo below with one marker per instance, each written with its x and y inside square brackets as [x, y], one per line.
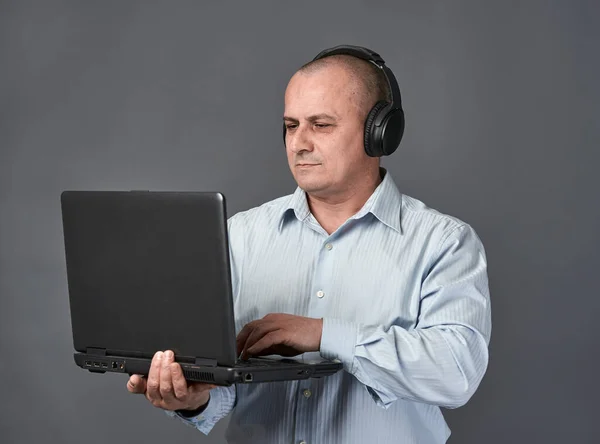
[441, 361]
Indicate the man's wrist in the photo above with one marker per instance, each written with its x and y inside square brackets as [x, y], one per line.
[191, 413]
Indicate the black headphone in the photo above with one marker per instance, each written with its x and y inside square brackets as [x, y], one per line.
[384, 126]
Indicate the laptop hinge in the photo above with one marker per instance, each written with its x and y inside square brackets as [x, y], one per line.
[96, 351]
[206, 362]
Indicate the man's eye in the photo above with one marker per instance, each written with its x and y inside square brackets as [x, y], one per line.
[322, 125]
[291, 126]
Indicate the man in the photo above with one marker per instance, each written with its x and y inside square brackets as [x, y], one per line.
[345, 268]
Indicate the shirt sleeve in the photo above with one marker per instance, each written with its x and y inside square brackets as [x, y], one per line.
[221, 403]
[443, 359]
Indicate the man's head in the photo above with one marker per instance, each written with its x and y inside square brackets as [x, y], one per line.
[326, 104]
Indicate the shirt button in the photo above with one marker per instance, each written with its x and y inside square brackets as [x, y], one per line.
[302, 442]
[329, 246]
[320, 293]
[307, 393]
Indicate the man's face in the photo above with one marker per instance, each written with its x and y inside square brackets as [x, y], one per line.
[325, 131]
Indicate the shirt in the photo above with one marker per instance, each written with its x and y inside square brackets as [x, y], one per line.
[403, 292]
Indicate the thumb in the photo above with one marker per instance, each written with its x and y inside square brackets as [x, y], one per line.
[136, 384]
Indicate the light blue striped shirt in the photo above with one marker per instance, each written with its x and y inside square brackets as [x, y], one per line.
[403, 293]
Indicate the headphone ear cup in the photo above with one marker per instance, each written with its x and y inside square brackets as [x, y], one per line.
[284, 134]
[373, 145]
[391, 131]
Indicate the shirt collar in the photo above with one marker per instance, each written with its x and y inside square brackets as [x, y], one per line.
[385, 204]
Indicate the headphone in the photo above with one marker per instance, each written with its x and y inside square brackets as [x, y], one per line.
[384, 125]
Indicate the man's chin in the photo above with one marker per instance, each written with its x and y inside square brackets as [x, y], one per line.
[310, 186]
[310, 183]
[314, 188]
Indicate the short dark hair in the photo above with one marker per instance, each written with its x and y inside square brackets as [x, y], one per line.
[370, 78]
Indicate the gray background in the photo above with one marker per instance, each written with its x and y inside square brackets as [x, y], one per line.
[502, 104]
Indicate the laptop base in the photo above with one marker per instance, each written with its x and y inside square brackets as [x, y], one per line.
[254, 370]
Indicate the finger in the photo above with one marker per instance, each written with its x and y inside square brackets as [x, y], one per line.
[166, 381]
[180, 385]
[266, 341]
[136, 384]
[279, 349]
[270, 341]
[249, 327]
[254, 332]
[243, 335]
[153, 384]
[260, 330]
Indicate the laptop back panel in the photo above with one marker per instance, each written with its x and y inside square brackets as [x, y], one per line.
[149, 271]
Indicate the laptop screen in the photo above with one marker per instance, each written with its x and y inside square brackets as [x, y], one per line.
[149, 271]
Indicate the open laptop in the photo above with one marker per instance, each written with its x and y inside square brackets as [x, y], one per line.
[149, 271]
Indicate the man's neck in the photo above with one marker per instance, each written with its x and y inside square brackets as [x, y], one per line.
[332, 211]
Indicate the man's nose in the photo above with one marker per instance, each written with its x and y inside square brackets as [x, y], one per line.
[300, 140]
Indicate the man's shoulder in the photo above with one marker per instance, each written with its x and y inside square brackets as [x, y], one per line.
[419, 217]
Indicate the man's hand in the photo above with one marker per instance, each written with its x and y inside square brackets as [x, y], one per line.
[280, 334]
[166, 386]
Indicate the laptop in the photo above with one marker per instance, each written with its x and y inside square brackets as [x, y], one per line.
[149, 271]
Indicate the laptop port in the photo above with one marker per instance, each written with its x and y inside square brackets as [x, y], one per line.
[248, 377]
[88, 363]
[96, 364]
[104, 365]
[113, 364]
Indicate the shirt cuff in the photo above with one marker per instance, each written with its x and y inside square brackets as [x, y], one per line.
[221, 402]
[338, 341]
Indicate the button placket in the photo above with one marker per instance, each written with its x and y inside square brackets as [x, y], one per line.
[321, 281]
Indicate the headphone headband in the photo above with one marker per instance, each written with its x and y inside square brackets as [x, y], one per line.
[356, 51]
